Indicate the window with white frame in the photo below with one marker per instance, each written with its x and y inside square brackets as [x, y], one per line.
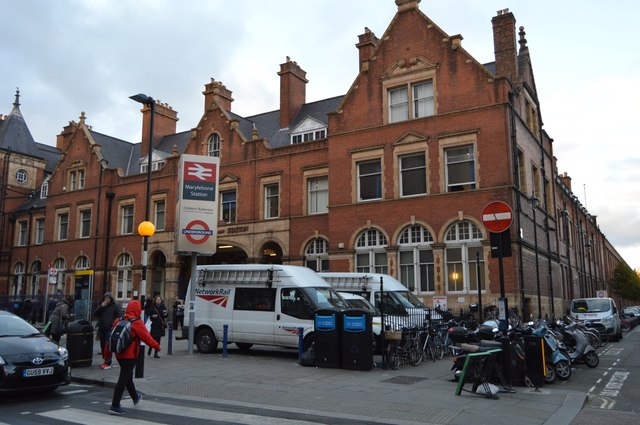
[228, 206]
[159, 214]
[369, 180]
[76, 180]
[463, 241]
[124, 280]
[413, 174]
[23, 230]
[39, 237]
[371, 252]
[44, 189]
[316, 255]
[410, 101]
[460, 168]
[271, 200]
[415, 259]
[308, 136]
[85, 223]
[61, 265]
[22, 176]
[35, 277]
[213, 145]
[63, 226]
[318, 197]
[155, 165]
[82, 263]
[18, 285]
[126, 219]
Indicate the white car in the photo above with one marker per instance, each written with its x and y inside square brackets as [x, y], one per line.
[634, 310]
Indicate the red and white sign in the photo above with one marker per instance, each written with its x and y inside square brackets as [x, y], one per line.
[601, 293]
[497, 216]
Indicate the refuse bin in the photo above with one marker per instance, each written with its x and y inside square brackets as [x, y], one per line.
[80, 343]
[357, 339]
[327, 327]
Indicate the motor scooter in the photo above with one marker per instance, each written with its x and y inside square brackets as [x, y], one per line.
[578, 345]
[557, 362]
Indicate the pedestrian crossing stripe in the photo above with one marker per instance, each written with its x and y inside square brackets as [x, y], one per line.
[78, 416]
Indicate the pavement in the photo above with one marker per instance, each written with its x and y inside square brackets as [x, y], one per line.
[271, 378]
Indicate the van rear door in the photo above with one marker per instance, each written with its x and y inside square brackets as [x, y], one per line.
[254, 315]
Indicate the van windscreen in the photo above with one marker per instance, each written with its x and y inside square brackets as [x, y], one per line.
[323, 297]
[592, 305]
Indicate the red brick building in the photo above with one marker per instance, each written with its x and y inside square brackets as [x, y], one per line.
[391, 177]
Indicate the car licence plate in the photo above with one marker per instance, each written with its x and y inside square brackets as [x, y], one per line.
[42, 371]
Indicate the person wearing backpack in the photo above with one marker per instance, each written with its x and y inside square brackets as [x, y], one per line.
[127, 357]
[106, 313]
[60, 318]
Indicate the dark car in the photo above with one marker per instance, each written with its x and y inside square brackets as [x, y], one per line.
[629, 321]
[29, 360]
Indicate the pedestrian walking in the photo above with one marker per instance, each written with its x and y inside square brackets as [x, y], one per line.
[157, 313]
[178, 314]
[106, 313]
[60, 318]
[127, 358]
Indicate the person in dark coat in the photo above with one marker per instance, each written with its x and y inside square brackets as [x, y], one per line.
[127, 359]
[157, 312]
[106, 313]
[178, 314]
[60, 318]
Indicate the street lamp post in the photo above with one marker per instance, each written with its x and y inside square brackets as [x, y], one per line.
[534, 203]
[146, 228]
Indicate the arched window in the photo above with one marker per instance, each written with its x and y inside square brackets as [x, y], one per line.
[415, 258]
[316, 256]
[213, 146]
[82, 263]
[18, 284]
[124, 284]
[371, 253]
[61, 265]
[35, 277]
[463, 249]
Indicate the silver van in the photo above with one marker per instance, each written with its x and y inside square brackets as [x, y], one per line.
[600, 313]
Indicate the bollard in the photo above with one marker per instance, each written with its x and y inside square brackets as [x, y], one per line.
[300, 343]
[170, 341]
[225, 330]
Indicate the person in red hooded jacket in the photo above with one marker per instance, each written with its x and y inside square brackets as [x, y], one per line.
[127, 359]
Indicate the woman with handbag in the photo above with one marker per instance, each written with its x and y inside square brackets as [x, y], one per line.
[157, 313]
[60, 318]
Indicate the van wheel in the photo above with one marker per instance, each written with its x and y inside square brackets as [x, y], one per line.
[309, 340]
[244, 346]
[206, 341]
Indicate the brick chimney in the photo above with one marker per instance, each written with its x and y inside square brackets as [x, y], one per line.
[367, 43]
[566, 180]
[504, 44]
[215, 91]
[407, 4]
[164, 124]
[292, 91]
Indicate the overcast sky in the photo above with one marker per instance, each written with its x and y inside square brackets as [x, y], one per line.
[69, 56]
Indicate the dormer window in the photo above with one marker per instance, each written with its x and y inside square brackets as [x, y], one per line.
[155, 166]
[308, 136]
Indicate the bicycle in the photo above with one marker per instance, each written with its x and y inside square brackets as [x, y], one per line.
[405, 346]
[432, 345]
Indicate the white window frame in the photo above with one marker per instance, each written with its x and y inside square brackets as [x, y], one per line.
[61, 265]
[316, 255]
[416, 272]
[39, 234]
[371, 252]
[62, 219]
[127, 220]
[405, 102]
[228, 208]
[213, 145]
[36, 269]
[84, 230]
[22, 176]
[76, 179]
[318, 195]
[23, 232]
[159, 213]
[124, 279]
[19, 272]
[82, 263]
[463, 236]
[271, 200]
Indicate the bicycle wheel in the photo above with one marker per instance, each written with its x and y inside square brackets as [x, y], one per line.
[393, 355]
[429, 352]
[438, 347]
[415, 352]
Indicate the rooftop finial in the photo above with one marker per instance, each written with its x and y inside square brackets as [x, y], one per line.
[522, 41]
[17, 101]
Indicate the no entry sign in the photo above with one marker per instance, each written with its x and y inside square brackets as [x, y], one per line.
[497, 216]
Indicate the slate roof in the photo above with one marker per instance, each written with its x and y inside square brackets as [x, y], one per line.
[15, 135]
[268, 123]
[117, 152]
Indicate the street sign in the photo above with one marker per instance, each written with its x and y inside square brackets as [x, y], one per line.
[601, 293]
[497, 216]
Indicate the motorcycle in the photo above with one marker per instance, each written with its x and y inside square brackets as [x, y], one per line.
[557, 360]
[578, 344]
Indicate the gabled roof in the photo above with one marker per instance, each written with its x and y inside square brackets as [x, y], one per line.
[15, 135]
[268, 123]
[118, 153]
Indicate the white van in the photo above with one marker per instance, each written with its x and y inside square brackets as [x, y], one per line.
[260, 303]
[398, 300]
[600, 313]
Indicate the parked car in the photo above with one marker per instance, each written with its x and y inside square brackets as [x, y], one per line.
[633, 310]
[629, 321]
[29, 360]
